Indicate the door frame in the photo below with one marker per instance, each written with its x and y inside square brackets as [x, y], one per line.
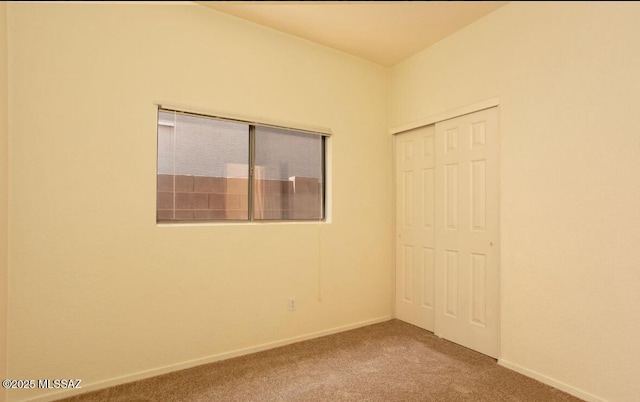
[449, 114]
[433, 119]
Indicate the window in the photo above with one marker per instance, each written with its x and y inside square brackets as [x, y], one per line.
[213, 169]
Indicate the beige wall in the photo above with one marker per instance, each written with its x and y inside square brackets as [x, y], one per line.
[4, 188]
[568, 79]
[98, 290]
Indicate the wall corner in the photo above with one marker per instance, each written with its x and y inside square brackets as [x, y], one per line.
[4, 193]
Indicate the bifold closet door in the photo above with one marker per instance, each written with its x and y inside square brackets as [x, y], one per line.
[415, 225]
[466, 230]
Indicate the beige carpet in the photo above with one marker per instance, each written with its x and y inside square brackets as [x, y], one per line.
[391, 361]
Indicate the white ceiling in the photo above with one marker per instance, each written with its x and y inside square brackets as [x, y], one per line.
[384, 32]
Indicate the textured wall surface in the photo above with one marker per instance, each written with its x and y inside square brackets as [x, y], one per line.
[99, 291]
[567, 76]
[4, 187]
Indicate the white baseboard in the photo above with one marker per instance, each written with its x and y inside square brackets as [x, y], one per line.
[550, 381]
[205, 360]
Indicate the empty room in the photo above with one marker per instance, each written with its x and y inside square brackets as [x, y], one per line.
[323, 188]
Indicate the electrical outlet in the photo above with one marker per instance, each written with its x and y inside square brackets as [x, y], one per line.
[292, 303]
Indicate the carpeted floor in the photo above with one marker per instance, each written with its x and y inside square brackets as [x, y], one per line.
[391, 361]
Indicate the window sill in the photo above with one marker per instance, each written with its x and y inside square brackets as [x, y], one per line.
[239, 223]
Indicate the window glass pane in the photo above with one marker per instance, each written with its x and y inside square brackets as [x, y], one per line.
[202, 168]
[288, 175]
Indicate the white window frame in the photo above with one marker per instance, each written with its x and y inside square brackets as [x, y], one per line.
[325, 135]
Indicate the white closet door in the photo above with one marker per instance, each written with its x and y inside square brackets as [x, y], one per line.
[466, 248]
[415, 222]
